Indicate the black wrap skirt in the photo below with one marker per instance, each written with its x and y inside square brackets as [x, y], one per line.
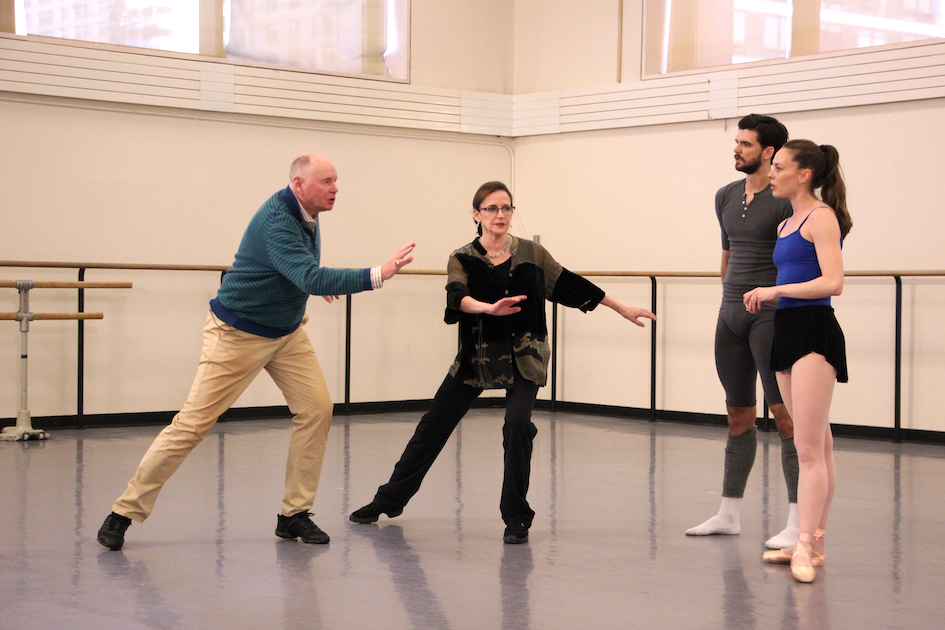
[800, 330]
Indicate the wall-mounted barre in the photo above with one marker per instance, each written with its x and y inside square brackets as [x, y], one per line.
[24, 427]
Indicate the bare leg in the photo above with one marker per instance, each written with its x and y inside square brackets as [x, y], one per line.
[831, 479]
[807, 390]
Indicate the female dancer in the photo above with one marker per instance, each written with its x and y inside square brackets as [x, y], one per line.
[496, 290]
[808, 352]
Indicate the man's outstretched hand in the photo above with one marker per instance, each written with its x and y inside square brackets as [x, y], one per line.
[398, 261]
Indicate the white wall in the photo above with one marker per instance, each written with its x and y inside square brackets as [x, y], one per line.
[81, 181]
[567, 44]
[139, 186]
[562, 44]
[463, 45]
[642, 199]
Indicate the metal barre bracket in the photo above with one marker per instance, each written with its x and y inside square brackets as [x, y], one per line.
[23, 430]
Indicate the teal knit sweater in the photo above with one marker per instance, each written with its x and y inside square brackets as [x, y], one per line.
[275, 270]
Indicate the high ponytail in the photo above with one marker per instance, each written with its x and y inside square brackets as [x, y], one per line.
[824, 164]
[833, 190]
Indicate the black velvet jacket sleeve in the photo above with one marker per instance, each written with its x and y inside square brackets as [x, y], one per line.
[492, 347]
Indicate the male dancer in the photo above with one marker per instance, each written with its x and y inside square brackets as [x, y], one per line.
[749, 217]
[256, 322]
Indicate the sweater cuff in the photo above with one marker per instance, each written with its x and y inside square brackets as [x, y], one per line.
[377, 280]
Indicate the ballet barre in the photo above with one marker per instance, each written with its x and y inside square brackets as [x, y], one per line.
[653, 277]
[23, 430]
[81, 268]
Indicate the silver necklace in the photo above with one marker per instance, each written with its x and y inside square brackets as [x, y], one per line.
[508, 242]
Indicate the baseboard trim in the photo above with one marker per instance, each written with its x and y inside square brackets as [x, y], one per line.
[421, 405]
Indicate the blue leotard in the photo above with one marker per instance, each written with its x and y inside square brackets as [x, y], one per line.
[796, 260]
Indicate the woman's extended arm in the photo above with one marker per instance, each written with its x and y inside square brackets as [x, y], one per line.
[505, 306]
[632, 313]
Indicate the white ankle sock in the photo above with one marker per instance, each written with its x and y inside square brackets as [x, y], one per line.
[788, 535]
[726, 522]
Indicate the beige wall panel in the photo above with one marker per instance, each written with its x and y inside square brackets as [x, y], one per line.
[631, 44]
[686, 375]
[627, 200]
[462, 45]
[923, 360]
[98, 185]
[642, 199]
[890, 155]
[866, 312]
[404, 347]
[564, 44]
[605, 359]
[128, 185]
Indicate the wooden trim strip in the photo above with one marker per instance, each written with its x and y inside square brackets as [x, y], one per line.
[36, 316]
[72, 265]
[880, 273]
[52, 284]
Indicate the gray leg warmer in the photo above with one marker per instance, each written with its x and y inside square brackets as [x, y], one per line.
[789, 464]
[739, 458]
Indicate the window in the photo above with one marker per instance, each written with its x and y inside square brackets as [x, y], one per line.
[356, 37]
[349, 36]
[691, 34]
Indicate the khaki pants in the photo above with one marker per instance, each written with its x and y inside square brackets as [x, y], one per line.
[230, 361]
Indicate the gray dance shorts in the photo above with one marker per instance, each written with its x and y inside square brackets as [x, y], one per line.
[800, 330]
[743, 352]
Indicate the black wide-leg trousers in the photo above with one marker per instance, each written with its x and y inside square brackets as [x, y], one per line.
[452, 401]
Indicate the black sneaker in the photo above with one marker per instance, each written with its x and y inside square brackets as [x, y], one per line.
[112, 532]
[372, 511]
[516, 531]
[300, 526]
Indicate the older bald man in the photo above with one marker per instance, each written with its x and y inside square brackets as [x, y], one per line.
[255, 323]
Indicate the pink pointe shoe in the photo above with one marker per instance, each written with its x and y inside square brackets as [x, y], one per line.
[801, 566]
[783, 556]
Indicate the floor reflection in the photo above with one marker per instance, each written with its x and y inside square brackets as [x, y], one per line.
[738, 600]
[221, 503]
[805, 608]
[607, 550]
[300, 588]
[516, 566]
[407, 575]
[151, 607]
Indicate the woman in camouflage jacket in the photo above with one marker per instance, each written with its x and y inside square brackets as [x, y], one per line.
[496, 291]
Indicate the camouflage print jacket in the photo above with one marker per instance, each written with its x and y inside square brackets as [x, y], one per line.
[488, 344]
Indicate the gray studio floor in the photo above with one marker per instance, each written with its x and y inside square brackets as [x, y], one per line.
[607, 548]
